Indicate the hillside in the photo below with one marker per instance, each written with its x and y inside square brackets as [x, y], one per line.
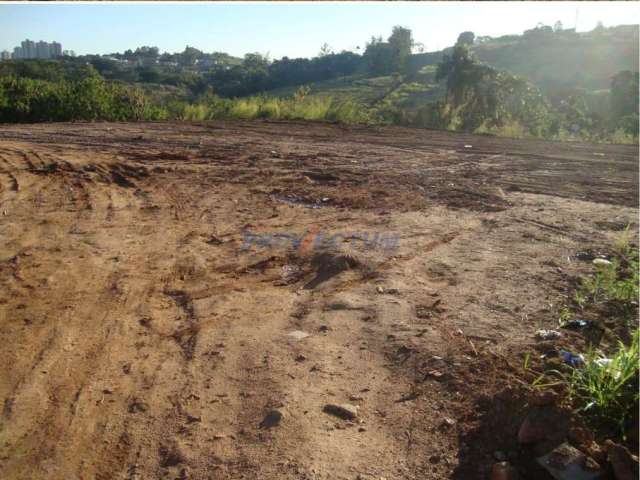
[552, 61]
[560, 63]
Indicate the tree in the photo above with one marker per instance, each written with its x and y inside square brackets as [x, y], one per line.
[400, 43]
[478, 95]
[624, 100]
[378, 56]
[557, 27]
[466, 38]
[624, 94]
[325, 50]
[189, 56]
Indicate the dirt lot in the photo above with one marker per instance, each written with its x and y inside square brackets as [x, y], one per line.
[150, 326]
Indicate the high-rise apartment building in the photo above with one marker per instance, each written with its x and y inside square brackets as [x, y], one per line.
[56, 49]
[43, 50]
[28, 49]
[31, 49]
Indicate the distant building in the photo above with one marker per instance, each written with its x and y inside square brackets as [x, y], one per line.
[5, 55]
[43, 50]
[56, 49]
[68, 53]
[28, 49]
[31, 49]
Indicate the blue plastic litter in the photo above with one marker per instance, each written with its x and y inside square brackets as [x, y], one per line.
[573, 359]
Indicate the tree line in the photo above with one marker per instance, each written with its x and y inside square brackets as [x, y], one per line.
[478, 97]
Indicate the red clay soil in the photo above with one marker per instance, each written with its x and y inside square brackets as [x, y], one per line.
[182, 300]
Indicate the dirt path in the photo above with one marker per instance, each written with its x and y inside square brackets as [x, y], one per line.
[146, 317]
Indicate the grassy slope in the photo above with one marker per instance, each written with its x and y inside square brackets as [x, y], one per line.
[586, 60]
[380, 92]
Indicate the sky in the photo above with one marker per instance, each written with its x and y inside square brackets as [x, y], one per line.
[284, 29]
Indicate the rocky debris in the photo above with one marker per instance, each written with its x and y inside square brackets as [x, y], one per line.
[624, 464]
[213, 240]
[568, 463]
[193, 419]
[548, 334]
[300, 358]
[298, 334]
[170, 456]
[437, 374]
[447, 423]
[537, 426]
[503, 471]
[272, 419]
[388, 291]
[345, 411]
[136, 405]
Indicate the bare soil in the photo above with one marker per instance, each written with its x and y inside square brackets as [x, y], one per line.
[146, 318]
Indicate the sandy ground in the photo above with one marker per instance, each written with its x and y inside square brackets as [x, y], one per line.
[153, 275]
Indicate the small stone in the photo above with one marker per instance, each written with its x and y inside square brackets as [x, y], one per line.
[534, 429]
[625, 465]
[566, 462]
[447, 423]
[434, 459]
[580, 436]
[344, 411]
[298, 334]
[193, 419]
[272, 419]
[300, 358]
[503, 471]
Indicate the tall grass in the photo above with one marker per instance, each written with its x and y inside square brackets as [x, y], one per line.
[317, 108]
[607, 389]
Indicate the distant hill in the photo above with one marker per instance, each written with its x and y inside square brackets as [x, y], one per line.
[558, 62]
[559, 59]
[565, 58]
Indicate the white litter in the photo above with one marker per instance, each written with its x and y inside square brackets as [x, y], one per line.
[601, 261]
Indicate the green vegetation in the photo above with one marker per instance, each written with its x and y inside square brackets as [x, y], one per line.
[614, 287]
[88, 98]
[515, 86]
[605, 385]
[607, 389]
[298, 107]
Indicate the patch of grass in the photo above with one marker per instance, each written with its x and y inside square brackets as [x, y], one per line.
[607, 389]
[298, 107]
[614, 286]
